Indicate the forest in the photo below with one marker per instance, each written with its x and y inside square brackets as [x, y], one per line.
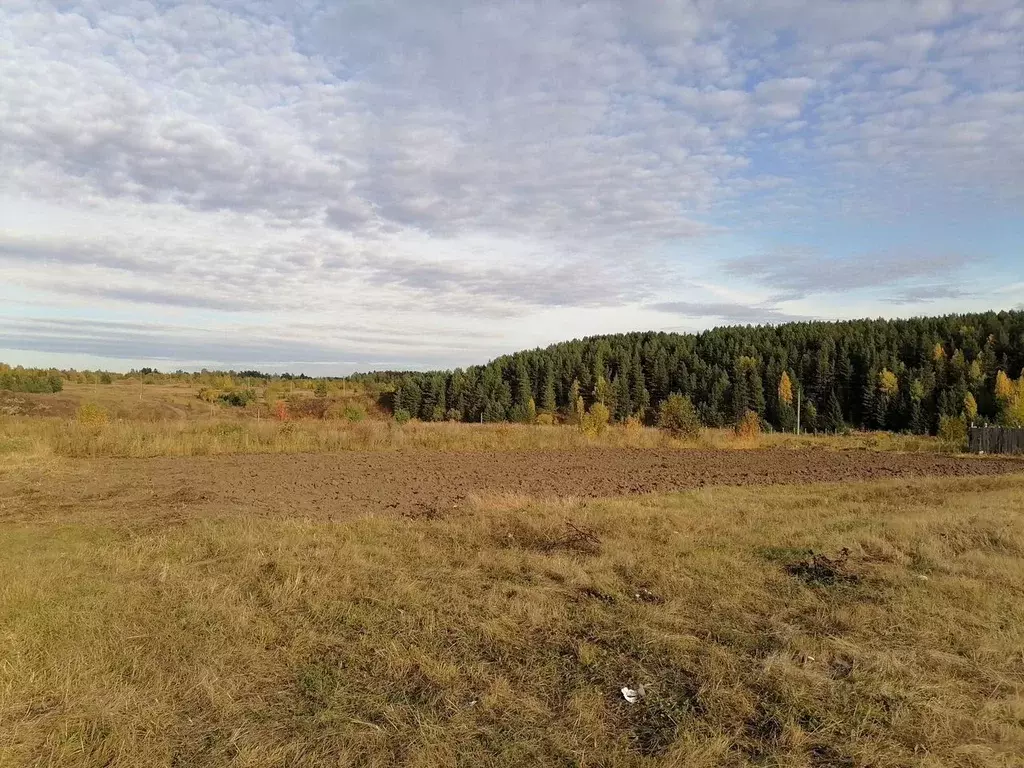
[898, 375]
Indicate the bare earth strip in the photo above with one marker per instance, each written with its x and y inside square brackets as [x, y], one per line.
[425, 482]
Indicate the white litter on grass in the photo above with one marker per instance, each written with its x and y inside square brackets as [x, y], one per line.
[633, 695]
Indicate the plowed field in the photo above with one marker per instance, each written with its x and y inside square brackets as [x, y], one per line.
[425, 483]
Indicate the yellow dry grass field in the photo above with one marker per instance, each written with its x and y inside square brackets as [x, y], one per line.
[184, 583]
[862, 624]
[35, 438]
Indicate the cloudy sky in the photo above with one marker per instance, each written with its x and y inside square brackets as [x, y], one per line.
[331, 186]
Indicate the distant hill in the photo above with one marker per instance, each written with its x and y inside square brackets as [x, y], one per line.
[900, 375]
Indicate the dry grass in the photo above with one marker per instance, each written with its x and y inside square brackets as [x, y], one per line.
[128, 400]
[36, 438]
[501, 634]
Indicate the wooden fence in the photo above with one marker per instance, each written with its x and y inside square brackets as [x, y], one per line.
[996, 440]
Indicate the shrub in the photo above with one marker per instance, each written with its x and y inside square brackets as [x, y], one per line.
[281, 410]
[354, 413]
[207, 395]
[453, 414]
[402, 416]
[595, 421]
[748, 427]
[953, 432]
[302, 407]
[91, 414]
[545, 419]
[679, 418]
[238, 398]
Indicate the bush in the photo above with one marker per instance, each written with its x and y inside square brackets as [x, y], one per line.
[281, 410]
[545, 419]
[238, 398]
[748, 427]
[354, 413]
[402, 416]
[595, 421]
[678, 417]
[308, 407]
[91, 415]
[953, 432]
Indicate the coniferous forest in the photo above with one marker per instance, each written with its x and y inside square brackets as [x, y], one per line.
[899, 375]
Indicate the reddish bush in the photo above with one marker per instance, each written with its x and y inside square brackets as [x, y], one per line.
[281, 410]
[308, 407]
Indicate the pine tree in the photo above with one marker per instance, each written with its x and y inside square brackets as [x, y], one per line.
[917, 421]
[523, 391]
[623, 406]
[740, 395]
[637, 388]
[547, 399]
[881, 412]
[576, 408]
[834, 414]
[868, 403]
[748, 391]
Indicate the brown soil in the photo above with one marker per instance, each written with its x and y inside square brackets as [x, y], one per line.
[431, 483]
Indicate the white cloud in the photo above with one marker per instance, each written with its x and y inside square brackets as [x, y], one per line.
[463, 164]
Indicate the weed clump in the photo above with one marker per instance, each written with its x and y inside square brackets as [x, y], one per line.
[748, 427]
[818, 569]
[91, 415]
[574, 538]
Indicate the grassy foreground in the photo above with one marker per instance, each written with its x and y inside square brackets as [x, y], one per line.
[501, 634]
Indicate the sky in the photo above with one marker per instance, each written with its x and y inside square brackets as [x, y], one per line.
[331, 187]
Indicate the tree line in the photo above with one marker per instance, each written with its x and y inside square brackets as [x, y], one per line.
[19, 379]
[899, 375]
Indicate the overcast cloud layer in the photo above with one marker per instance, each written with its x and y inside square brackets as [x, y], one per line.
[342, 186]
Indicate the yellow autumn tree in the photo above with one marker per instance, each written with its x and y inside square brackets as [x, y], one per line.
[970, 407]
[785, 389]
[1005, 388]
[1010, 396]
[939, 354]
[975, 373]
[888, 383]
